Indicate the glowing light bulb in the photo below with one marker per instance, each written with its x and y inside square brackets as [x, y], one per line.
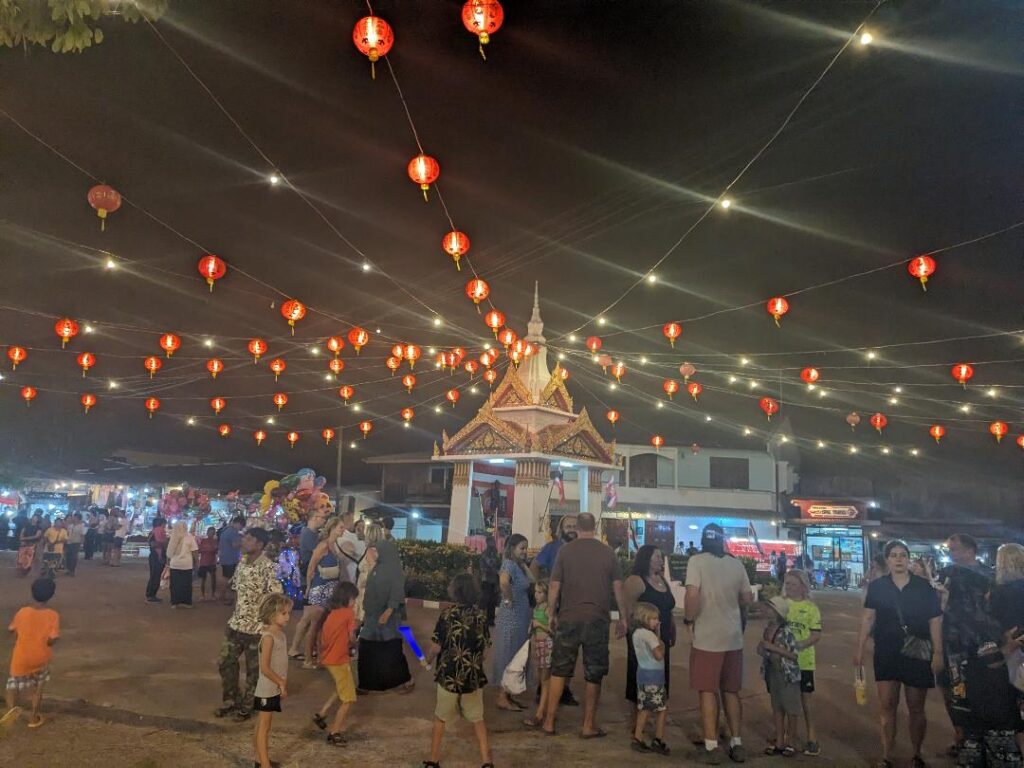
[652, 278]
[561, 355]
[853, 449]
[643, 360]
[725, 203]
[914, 452]
[707, 418]
[110, 264]
[744, 361]
[821, 444]
[191, 421]
[352, 445]
[871, 355]
[270, 419]
[661, 404]
[885, 451]
[747, 431]
[992, 392]
[601, 321]
[894, 401]
[965, 408]
[732, 379]
[274, 179]
[437, 409]
[89, 329]
[898, 390]
[208, 343]
[572, 337]
[437, 322]
[753, 384]
[315, 351]
[357, 407]
[366, 266]
[866, 38]
[112, 384]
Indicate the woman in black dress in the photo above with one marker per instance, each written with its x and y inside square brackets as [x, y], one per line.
[900, 607]
[648, 584]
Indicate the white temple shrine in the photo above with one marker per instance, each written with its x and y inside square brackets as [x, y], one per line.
[528, 423]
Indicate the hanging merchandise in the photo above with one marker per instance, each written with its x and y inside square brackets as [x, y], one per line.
[105, 200]
[257, 347]
[293, 311]
[212, 268]
[373, 37]
[66, 329]
[922, 268]
[456, 245]
[16, 355]
[672, 331]
[483, 18]
[424, 170]
[777, 307]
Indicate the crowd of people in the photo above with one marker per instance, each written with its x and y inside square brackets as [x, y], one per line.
[958, 627]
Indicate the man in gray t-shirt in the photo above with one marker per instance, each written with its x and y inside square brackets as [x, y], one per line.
[717, 588]
[308, 539]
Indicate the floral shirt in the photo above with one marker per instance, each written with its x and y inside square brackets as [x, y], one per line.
[252, 582]
[783, 637]
[462, 634]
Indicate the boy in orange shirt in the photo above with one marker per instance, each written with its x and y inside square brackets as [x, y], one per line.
[336, 638]
[36, 628]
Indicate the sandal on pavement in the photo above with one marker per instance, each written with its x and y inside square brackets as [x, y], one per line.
[600, 733]
[321, 723]
[637, 745]
[337, 739]
[787, 751]
[37, 723]
[659, 746]
[533, 722]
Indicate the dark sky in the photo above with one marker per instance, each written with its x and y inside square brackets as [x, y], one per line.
[588, 143]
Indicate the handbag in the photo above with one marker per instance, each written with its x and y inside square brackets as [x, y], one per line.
[328, 572]
[513, 679]
[913, 647]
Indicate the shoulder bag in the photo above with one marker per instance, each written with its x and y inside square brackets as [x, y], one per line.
[913, 647]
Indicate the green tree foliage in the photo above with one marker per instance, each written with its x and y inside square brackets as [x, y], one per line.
[68, 26]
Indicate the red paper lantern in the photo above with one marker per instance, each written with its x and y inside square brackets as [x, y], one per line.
[86, 360]
[214, 366]
[494, 320]
[515, 356]
[471, 367]
[456, 245]
[853, 419]
[293, 438]
[459, 353]
[412, 353]
[28, 394]
[810, 375]
[424, 170]
[483, 18]
[398, 350]
[293, 311]
[962, 372]
[671, 386]
[672, 331]
[507, 337]
[88, 400]
[937, 431]
[169, 343]
[152, 364]
[604, 360]
[694, 389]
[770, 406]
[878, 421]
[212, 268]
[612, 416]
[280, 400]
[1020, 441]
[408, 414]
[257, 347]
[346, 392]
[277, 365]
[105, 200]
[337, 365]
[224, 430]
[335, 344]
[358, 338]
[922, 268]
[16, 355]
[373, 38]
[152, 405]
[777, 307]
[618, 371]
[327, 434]
[452, 395]
[998, 429]
[409, 381]
[686, 370]
[657, 441]
[260, 436]
[563, 373]
[393, 364]
[67, 329]
[365, 427]
[477, 290]
[218, 404]
[490, 376]
[593, 343]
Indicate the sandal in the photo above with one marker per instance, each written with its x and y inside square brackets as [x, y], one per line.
[773, 750]
[337, 739]
[37, 723]
[659, 746]
[788, 751]
[320, 721]
[533, 722]
[638, 745]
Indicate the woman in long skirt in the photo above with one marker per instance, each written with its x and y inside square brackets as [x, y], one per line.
[512, 625]
[180, 551]
[382, 662]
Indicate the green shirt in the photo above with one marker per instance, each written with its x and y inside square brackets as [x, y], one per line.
[804, 617]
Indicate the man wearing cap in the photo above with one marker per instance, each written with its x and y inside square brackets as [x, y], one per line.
[717, 588]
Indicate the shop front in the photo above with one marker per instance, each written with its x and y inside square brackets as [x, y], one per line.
[834, 535]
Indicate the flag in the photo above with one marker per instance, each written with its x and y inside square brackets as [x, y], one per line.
[611, 495]
[753, 535]
[556, 478]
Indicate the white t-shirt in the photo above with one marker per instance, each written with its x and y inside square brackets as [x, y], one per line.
[351, 545]
[720, 581]
[181, 559]
[122, 528]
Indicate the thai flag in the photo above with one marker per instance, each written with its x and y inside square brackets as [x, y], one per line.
[556, 478]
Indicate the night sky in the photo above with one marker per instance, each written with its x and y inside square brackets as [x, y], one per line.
[594, 137]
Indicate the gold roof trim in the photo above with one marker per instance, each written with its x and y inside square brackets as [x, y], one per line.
[511, 392]
[486, 433]
[555, 394]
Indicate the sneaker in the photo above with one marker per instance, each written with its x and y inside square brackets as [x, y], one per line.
[738, 754]
[812, 749]
[225, 710]
[568, 700]
[659, 746]
[639, 746]
[242, 715]
[710, 756]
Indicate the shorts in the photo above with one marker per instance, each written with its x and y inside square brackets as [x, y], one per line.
[542, 645]
[806, 681]
[206, 569]
[892, 666]
[118, 542]
[227, 571]
[570, 635]
[450, 704]
[651, 698]
[713, 671]
[784, 694]
[31, 680]
[271, 704]
[344, 683]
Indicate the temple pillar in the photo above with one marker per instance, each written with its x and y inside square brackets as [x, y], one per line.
[462, 484]
[533, 489]
[595, 491]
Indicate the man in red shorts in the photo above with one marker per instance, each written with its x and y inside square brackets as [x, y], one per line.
[716, 588]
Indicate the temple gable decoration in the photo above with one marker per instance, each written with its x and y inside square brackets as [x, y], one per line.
[511, 392]
[487, 434]
[555, 395]
[577, 439]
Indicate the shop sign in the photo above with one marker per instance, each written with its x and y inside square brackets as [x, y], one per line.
[829, 511]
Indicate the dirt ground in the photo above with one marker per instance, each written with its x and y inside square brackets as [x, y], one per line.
[135, 684]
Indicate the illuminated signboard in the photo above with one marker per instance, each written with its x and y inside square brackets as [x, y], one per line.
[827, 511]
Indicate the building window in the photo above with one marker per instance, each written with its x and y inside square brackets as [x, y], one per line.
[440, 476]
[730, 473]
[648, 470]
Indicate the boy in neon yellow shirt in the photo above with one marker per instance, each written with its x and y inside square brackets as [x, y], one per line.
[805, 621]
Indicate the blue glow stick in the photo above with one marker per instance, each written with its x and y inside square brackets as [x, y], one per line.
[411, 640]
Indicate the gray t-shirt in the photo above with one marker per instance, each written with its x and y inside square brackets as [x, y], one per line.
[720, 581]
[265, 687]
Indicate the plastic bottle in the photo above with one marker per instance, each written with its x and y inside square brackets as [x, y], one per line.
[860, 687]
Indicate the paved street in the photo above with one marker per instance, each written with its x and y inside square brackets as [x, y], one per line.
[135, 685]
